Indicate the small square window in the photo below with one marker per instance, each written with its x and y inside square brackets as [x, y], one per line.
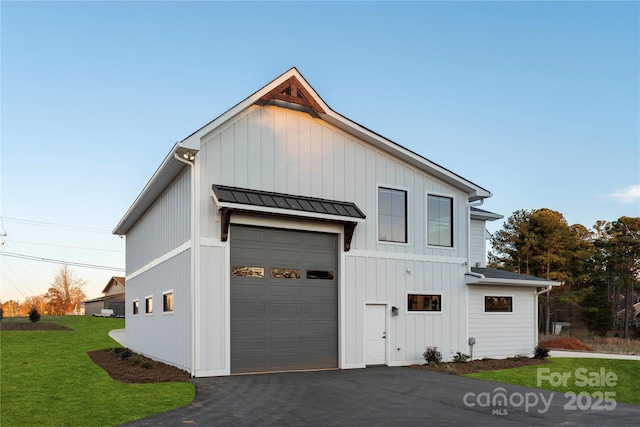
[419, 302]
[498, 304]
[148, 305]
[167, 302]
[392, 215]
[136, 307]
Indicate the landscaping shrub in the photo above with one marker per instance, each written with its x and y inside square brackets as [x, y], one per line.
[122, 353]
[146, 364]
[432, 355]
[461, 357]
[540, 352]
[34, 316]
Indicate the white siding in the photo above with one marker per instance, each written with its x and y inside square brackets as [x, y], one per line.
[502, 335]
[165, 337]
[385, 279]
[478, 243]
[275, 149]
[165, 226]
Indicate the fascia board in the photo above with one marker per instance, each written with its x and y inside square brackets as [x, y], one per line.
[166, 172]
[472, 280]
[474, 191]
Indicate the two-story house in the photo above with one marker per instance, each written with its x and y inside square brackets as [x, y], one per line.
[284, 236]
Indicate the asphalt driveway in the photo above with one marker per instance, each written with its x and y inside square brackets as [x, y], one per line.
[381, 397]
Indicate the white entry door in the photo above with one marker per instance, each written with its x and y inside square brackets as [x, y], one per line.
[376, 334]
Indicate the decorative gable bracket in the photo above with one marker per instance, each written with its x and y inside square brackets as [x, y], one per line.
[292, 91]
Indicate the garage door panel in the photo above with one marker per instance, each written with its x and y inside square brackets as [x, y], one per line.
[292, 319]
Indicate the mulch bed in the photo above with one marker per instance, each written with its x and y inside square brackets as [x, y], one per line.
[32, 326]
[565, 343]
[480, 365]
[144, 370]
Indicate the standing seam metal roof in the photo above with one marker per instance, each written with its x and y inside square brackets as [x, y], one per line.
[245, 196]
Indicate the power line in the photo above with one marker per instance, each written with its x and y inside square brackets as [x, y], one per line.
[51, 224]
[56, 261]
[65, 246]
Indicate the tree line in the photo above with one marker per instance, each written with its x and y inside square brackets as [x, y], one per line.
[64, 296]
[599, 268]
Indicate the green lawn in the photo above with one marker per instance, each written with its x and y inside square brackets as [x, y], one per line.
[626, 388]
[47, 378]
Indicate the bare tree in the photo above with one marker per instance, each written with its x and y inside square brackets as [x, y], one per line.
[65, 293]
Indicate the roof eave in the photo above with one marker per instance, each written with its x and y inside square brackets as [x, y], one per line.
[168, 170]
[473, 280]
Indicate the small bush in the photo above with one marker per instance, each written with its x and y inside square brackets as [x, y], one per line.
[517, 357]
[122, 353]
[34, 316]
[432, 355]
[146, 364]
[136, 360]
[540, 352]
[461, 357]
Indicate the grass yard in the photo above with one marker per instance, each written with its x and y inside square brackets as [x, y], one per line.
[47, 378]
[627, 388]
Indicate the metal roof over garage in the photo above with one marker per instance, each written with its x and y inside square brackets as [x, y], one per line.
[244, 196]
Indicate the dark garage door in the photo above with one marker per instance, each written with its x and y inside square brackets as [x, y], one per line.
[284, 300]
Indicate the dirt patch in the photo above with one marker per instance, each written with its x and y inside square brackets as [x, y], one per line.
[32, 326]
[136, 369]
[565, 343]
[480, 365]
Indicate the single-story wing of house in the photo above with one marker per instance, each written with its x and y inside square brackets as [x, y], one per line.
[284, 236]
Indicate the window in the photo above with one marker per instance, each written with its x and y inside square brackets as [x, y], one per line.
[136, 308]
[285, 273]
[439, 220]
[498, 304]
[148, 305]
[240, 271]
[320, 274]
[167, 302]
[392, 215]
[418, 302]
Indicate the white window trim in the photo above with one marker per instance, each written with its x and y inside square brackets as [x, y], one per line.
[145, 305]
[430, 312]
[138, 313]
[163, 294]
[499, 313]
[454, 223]
[407, 214]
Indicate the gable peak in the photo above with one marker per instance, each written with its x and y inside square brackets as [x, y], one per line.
[292, 91]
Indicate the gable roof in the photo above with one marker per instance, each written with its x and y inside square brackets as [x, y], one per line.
[289, 90]
[115, 279]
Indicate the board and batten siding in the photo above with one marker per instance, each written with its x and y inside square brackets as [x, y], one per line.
[501, 335]
[165, 337]
[478, 243]
[275, 149]
[384, 279]
[164, 227]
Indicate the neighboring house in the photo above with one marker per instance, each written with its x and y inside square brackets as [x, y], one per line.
[284, 236]
[113, 298]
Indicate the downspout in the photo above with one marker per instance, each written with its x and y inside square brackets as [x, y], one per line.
[535, 309]
[191, 162]
[469, 206]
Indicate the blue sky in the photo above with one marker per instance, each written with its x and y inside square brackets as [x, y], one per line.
[539, 102]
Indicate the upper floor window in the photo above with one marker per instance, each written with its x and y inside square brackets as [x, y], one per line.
[392, 215]
[439, 220]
